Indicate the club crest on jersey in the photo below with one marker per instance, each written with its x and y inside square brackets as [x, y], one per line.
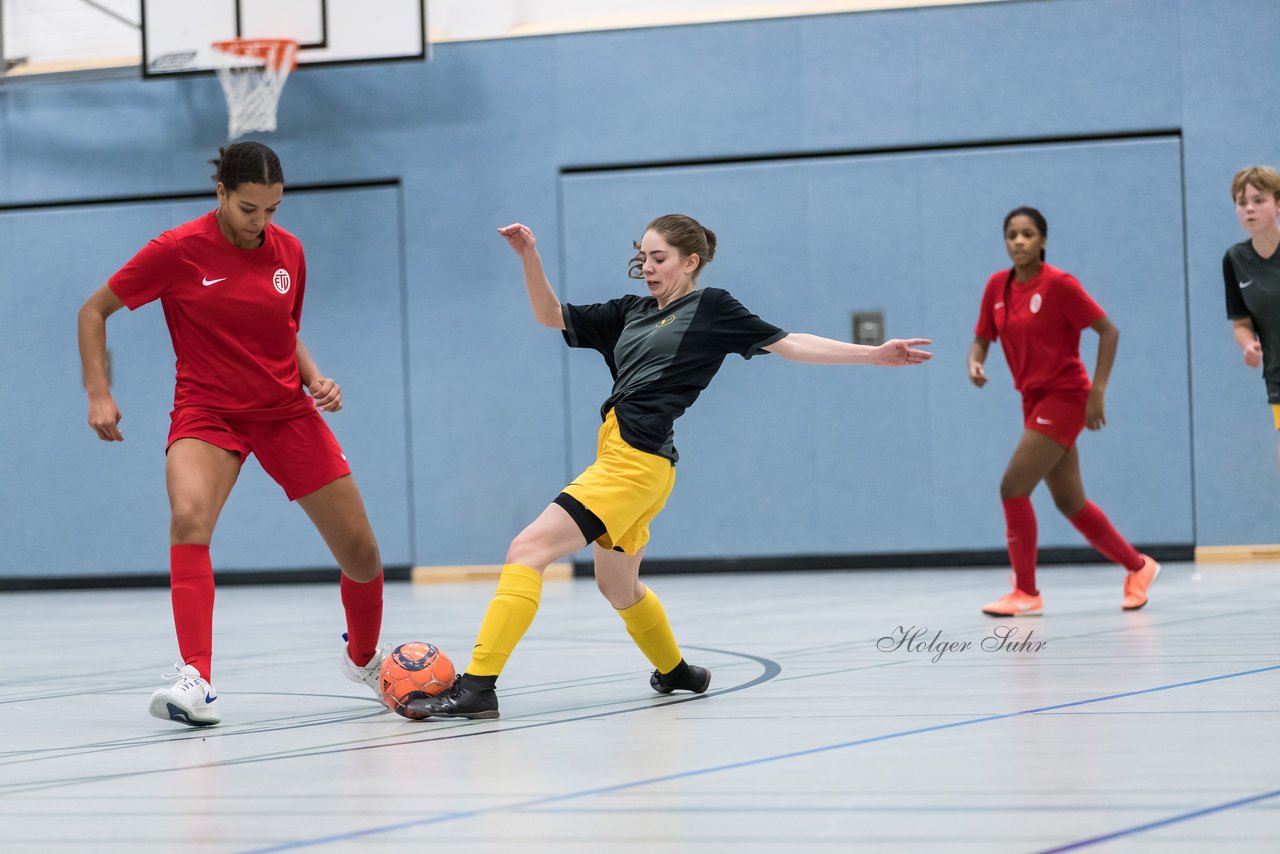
[1035, 303]
[282, 281]
[664, 321]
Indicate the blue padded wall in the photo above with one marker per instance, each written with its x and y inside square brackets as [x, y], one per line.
[482, 414]
[842, 460]
[1231, 120]
[88, 507]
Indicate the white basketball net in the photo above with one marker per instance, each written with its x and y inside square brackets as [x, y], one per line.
[252, 73]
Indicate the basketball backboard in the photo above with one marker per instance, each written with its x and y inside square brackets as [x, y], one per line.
[177, 34]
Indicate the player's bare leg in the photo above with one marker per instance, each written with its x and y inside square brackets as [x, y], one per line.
[1065, 484]
[550, 537]
[337, 511]
[618, 577]
[199, 477]
[1033, 458]
[1068, 494]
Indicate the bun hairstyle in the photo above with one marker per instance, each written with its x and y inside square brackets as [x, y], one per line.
[246, 163]
[684, 233]
[1035, 216]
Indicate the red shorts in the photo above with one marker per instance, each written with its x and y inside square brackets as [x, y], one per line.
[1057, 414]
[300, 453]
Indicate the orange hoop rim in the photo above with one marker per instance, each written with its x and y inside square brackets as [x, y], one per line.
[276, 53]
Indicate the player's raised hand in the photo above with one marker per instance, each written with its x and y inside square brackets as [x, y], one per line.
[104, 418]
[327, 394]
[520, 238]
[897, 352]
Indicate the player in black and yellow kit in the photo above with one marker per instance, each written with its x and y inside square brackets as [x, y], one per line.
[1251, 273]
[662, 350]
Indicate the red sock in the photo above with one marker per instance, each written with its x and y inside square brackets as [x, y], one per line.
[1021, 533]
[191, 588]
[363, 604]
[1097, 529]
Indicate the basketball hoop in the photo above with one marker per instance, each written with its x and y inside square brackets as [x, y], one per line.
[252, 73]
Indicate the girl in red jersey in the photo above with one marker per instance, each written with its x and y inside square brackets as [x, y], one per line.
[231, 284]
[1038, 311]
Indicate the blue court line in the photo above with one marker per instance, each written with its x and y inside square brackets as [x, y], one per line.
[748, 763]
[1152, 825]
[913, 810]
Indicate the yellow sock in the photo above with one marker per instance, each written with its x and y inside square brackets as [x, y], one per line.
[509, 616]
[647, 624]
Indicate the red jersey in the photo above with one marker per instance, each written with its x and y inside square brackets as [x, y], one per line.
[233, 314]
[1038, 324]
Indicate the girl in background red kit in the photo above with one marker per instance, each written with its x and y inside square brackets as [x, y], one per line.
[231, 284]
[1038, 311]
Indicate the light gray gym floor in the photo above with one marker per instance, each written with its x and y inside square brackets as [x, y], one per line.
[1152, 731]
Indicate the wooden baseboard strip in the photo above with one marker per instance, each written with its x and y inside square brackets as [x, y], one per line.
[480, 572]
[1236, 554]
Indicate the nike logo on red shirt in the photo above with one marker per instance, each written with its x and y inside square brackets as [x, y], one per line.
[206, 281]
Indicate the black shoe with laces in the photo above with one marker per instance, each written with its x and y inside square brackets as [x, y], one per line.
[470, 697]
[684, 677]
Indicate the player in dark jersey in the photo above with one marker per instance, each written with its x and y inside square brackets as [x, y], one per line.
[1251, 274]
[1038, 311]
[662, 350]
[231, 284]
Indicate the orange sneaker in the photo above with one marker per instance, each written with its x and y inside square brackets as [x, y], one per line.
[1015, 604]
[1137, 583]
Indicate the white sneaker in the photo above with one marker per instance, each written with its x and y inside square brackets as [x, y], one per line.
[370, 674]
[191, 700]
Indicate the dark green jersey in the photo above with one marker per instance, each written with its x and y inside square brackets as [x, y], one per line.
[1253, 291]
[661, 360]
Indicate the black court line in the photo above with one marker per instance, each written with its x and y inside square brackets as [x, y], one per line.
[297, 722]
[873, 151]
[187, 196]
[16, 757]
[769, 670]
[749, 763]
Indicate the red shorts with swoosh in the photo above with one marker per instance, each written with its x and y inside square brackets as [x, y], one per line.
[1057, 414]
[299, 453]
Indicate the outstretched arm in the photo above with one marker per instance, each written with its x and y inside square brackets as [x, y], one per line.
[1108, 340]
[91, 332]
[816, 350]
[546, 308]
[326, 392]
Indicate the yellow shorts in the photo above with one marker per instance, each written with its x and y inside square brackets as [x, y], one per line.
[624, 488]
[1275, 414]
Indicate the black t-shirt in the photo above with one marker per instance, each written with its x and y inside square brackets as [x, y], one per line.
[1253, 291]
[661, 360]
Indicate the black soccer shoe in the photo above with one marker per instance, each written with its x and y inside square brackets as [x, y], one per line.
[685, 677]
[469, 697]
